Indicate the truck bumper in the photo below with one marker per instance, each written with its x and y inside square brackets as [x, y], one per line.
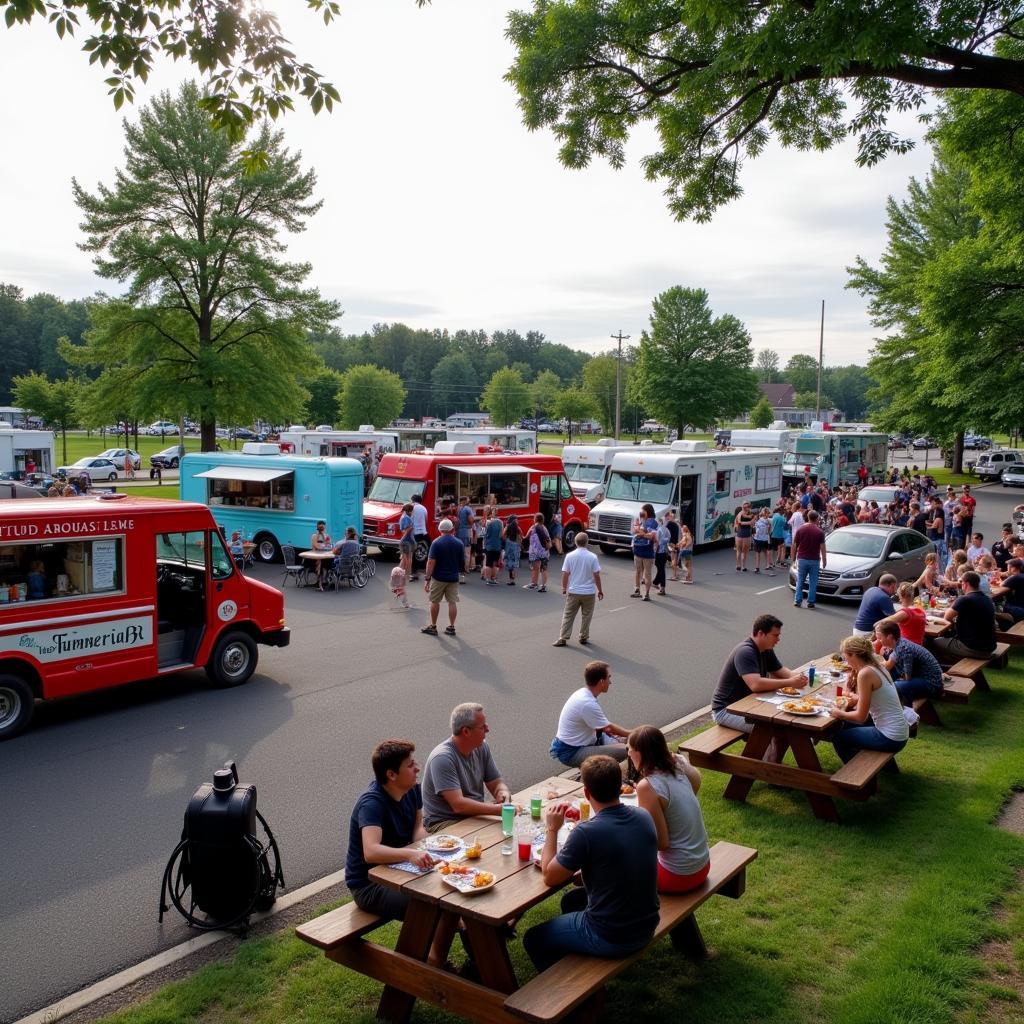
[278, 638]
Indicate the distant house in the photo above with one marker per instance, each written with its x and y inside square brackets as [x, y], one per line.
[782, 398]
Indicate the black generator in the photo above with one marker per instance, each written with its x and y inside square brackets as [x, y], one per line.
[223, 869]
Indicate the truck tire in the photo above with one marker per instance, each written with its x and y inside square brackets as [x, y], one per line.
[267, 548]
[174, 463]
[569, 537]
[420, 553]
[233, 659]
[17, 703]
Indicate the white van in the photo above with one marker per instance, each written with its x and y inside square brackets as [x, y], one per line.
[702, 485]
[990, 465]
[587, 465]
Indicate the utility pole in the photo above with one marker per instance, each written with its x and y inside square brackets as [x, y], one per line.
[821, 352]
[620, 337]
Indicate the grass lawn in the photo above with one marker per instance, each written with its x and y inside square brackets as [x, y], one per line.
[81, 445]
[876, 921]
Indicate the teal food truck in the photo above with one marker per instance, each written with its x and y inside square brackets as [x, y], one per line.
[275, 499]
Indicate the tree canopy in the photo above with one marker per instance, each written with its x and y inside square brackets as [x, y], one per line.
[762, 415]
[54, 401]
[249, 66]
[717, 79]
[506, 397]
[369, 394]
[213, 321]
[693, 369]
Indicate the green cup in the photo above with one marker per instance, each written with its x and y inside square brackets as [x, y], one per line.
[508, 818]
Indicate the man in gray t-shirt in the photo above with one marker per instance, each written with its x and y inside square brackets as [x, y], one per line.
[460, 772]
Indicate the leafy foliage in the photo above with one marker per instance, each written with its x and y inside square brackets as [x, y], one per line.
[693, 369]
[54, 401]
[767, 365]
[506, 397]
[323, 386]
[370, 395]
[455, 383]
[717, 79]
[762, 415]
[251, 69]
[802, 372]
[544, 391]
[213, 321]
[573, 404]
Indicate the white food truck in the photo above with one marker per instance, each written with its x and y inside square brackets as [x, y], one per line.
[351, 444]
[833, 457]
[587, 465]
[26, 451]
[704, 487]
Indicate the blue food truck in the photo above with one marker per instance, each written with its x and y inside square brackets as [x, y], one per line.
[275, 499]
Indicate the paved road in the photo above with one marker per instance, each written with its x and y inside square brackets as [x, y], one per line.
[93, 795]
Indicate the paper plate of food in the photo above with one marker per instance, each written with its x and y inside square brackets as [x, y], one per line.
[800, 707]
[442, 843]
[789, 691]
[466, 880]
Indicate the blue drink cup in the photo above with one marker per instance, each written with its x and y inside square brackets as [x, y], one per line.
[508, 818]
[810, 676]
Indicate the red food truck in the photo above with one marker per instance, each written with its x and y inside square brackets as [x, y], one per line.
[97, 593]
[516, 483]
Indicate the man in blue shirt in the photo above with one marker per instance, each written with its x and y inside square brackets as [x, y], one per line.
[616, 851]
[444, 564]
[914, 669]
[875, 605]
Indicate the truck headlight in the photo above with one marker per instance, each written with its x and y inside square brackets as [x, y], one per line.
[592, 522]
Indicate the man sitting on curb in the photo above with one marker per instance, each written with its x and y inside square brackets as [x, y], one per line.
[616, 851]
[583, 728]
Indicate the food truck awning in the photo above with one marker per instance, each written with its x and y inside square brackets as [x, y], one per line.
[489, 467]
[254, 474]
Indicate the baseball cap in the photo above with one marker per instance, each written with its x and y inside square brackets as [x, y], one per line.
[445, 526]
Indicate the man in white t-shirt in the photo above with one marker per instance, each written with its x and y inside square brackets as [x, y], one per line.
[583, 727]
[419, 532]
[581, 585]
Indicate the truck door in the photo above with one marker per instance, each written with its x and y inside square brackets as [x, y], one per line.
[181, 595]
[688, 501]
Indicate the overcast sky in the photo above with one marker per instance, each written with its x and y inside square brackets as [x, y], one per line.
[440, 210]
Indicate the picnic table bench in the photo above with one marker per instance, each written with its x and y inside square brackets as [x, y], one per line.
[955, 690]
[855, 780]
[974, 668]
[575, 983]
[1012, 637]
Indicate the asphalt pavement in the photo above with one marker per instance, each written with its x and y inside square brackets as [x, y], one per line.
[93, 795]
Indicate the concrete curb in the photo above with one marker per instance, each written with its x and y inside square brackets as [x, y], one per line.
[130, 975]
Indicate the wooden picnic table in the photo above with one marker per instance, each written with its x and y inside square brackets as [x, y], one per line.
[404, 971]
[855, 780]
[936, 626]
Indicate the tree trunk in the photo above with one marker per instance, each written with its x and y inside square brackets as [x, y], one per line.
[64, 443]
[208, 435]
[958, 452]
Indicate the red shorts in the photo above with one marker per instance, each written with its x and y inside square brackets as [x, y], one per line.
[668, 881]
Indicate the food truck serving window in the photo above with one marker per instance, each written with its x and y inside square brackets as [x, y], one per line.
[61, 569]
[484, 485]
[251, 487]
[768, 478]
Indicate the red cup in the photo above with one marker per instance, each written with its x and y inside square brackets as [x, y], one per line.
[839, 689]
[525, 850]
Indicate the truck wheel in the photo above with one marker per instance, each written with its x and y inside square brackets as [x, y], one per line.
[17, 703]
[233, 660]
[609, 549]
[174, 463]
[420, 553]
[569, 537]
[267, 548]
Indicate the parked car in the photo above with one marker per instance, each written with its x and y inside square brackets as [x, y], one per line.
[922, 442]
[883, 494]
[859, 555]
[990, 465]
[97, 468]
[1013, 476]
[974, 443]
[118, 456]
[168, 458]
[161, 428]
[244, 434]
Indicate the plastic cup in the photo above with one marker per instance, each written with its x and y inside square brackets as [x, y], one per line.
[584, 810]
[535, 806]
[810, 676]
[525, 849]
[508, 818]
[839, 689]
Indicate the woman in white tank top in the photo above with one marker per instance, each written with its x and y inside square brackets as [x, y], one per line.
[876, 696]
[668, 792]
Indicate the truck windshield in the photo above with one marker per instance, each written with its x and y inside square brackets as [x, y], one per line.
[810, 446]
[394, 490]
[641, 487]
[584, 474]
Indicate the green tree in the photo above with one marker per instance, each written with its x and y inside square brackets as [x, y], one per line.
[767, 366]
[574, 405]
[599, 383]
[717, 80]
[506, 397]
[51, 400]
[454, 384]
[323, 387]
[809, 400]
[693, 369]
[911, 361]
[848, 386]
[544, 391]
[802, 373]
[762, 415]
[213, 320]
[369, 394]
